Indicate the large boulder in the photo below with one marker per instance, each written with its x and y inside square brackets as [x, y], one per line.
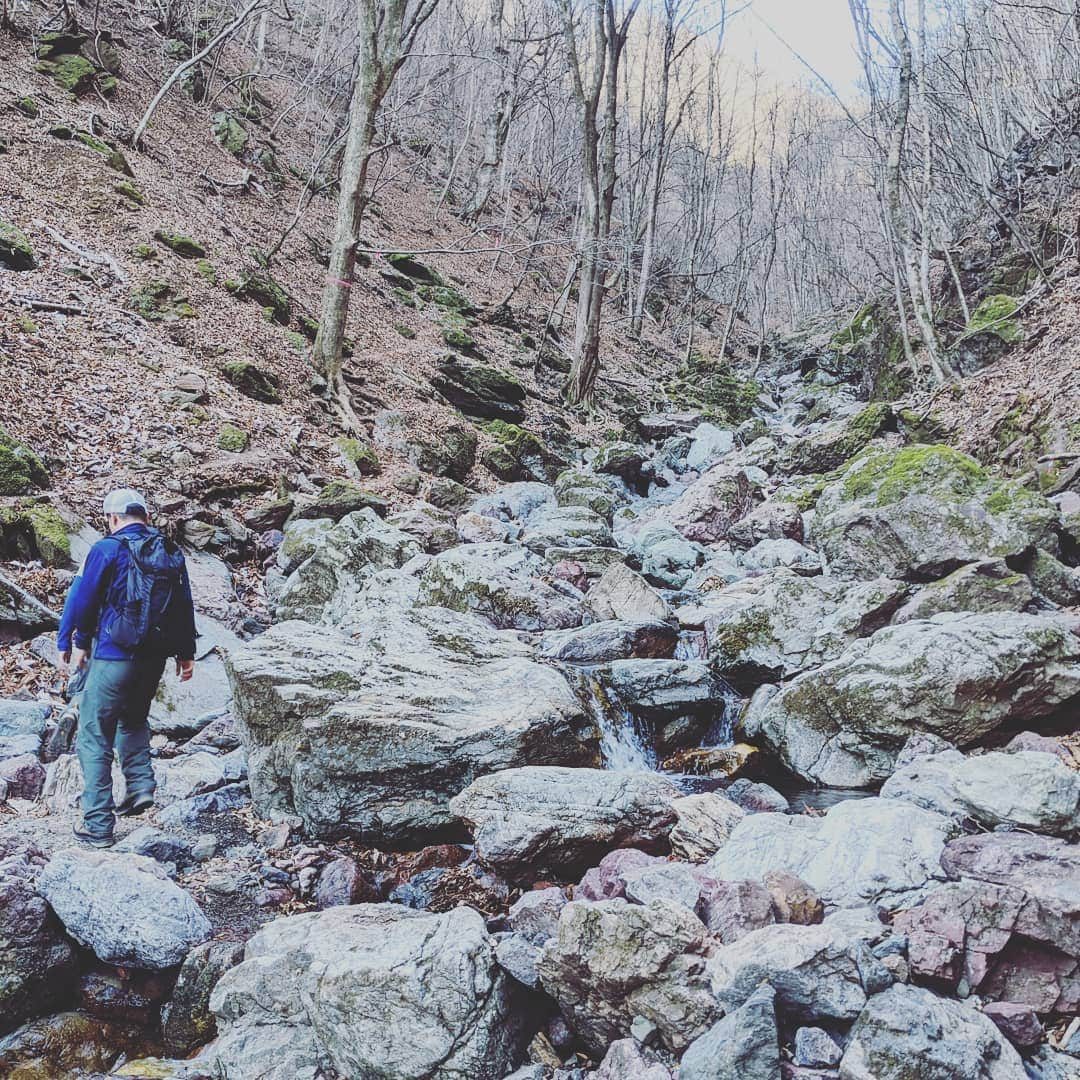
[37, 963]
[612, 961]
[834, 443]
[480, 390]
[1026, 789]
[565, 527]
[745, 1045]
[611, 639]
[433, 529]
[544, 819]
[514, 502]
[988, 585]
[708, 508]
[862, 851]
[186, 1020]
[601, 493]
[819, 973]
[327, 586]
[922, 511]
[372, 733]
[372, 990]
[704, 824]
[909, 1032]
[623, 594]
[123, 907]
[958, 676]
[772, 627]
[505, 584]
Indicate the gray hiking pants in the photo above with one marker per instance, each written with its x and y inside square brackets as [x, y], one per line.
[113, 713]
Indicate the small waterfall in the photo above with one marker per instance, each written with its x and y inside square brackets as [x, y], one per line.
[720, 731]
[624, 741]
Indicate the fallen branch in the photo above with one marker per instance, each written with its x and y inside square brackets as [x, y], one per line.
[37, 304]
[29, 608]
[86, 254]
[1057, 457]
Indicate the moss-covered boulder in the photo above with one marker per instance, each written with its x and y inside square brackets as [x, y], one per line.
[34, 530]
[603, 494]
[445, 297]
[70, 72]
[919, 512]
[158, 301]
[341, 497]
[252, 381]
[479, 390]
[232, 438]
[360, 456]
[230, 134]
[263, 290]
[517, 454]
[184, 246]
[28, 107]
[837, 442]
[413, 268]
[129, 192]
[993, 328]
[21, 469]
[712, 386]
[623, 459]
[455, 333]
[450, 452]
[15, 250]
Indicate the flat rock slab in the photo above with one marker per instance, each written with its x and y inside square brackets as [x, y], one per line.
[123, 907]
[545, 819]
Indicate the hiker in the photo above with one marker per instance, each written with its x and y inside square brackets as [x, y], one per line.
[130, 603]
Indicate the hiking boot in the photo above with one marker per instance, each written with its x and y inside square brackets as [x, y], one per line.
[98, 840]
[134, 805]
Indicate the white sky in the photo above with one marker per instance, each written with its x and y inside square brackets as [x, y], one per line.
[820, 30]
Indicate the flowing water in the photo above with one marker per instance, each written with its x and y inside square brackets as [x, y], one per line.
[625, 742]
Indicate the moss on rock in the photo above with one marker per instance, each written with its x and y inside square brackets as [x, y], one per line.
[230, 134]
[714, 387]
[21, 469]
[252, 381]
[413, 268]
[893, 474]
[263, 290]
[28, 107]
[360, 455]
[129, 191]
[15, 250]
[34, 530]
[232, 438]
[70, 71]
[184, 246]
[158, 301]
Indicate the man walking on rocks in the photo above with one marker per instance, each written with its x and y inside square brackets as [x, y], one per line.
[131, 604]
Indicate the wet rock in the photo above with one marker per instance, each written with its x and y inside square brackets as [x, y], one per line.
[709, 508]
[608, 880]
[68, 1044]
[819, 973]
[546, 819]
[123, 907]
[756, 798]
[922, 511]
[186, 1020]
[343, 882]
[611, 639]
[769, 521]
[327, 586]
[314, 988]
[37, 963]
[513, 502]
[722, 762]
[611, 962]
[703, 825]
[958, 676]
[775, 626]
[1018, 1023]
[744, 1045]
[909, 1031]
[987, 585]
[623, 594]
[124, 995]
[861, 851]
[504, 584]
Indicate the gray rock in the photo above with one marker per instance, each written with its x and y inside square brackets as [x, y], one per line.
[681, 697]
[672, 881]
[708, 444]
[704, 823]
[602, 493]
[987, 585]
[545, 819]
[433, 529]
[612, 961]
[958, 676]
[756, 798]
[908, 1031]
[123, 907]
[518, 956]
[372, 733]
[819, 973]
[733, 909]
[326, 587]
[503, 584]
[303, 538]
[186, 1020]
[775, 626]
[187, 775]
[370, 990]
[769, 554]
[922, 511]
[623, 594]
[744, 1045]
[565, 527]
[708, 508]
[1046, 1064]
[769, 521]
[862, 851]
[815, 1048]
[159, 845]
[193, 813]
[625, 1059]
[514, 502]
[475, 528]
[535, 915]
[611, 639]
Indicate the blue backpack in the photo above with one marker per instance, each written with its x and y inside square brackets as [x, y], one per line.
[154, 576]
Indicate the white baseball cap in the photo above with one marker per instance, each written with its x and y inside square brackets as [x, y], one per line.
[124, 501]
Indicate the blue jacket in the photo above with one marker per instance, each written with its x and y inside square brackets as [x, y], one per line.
[96, 594]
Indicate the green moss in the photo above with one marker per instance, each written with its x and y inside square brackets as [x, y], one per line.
[406, 332]
[252, 381]
[28, 107]
[892, 475]
[40, 527]
[129, 191]
[995, 314]
[309, 327]
[862, 325]
[157, 301]
[919, 428]
[805, 492]
[445, 297]
[229, 132]
[714, 387]
[20, 468]
[297, 341]
[15, 250]
[27, 325]
[729, 642]
[263, 290]
[456, 336]
[69, 71]
[232, 438]
[93, 142]
[184, 246]
[411, 267]
[205, 269]
[361, 455]
[144, 252]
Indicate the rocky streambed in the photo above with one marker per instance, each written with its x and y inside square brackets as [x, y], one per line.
[727, 754]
